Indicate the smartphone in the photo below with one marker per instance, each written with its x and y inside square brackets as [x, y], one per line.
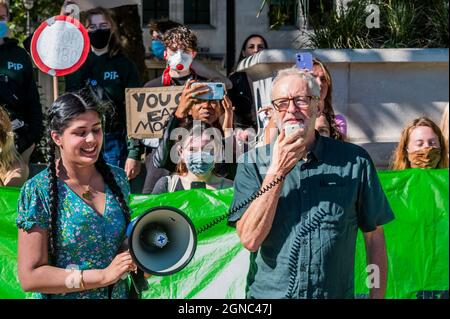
[291, 128]
[216, 91]
[304, 61]
[198, 185]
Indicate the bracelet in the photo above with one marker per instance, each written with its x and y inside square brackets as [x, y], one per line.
[81, 280]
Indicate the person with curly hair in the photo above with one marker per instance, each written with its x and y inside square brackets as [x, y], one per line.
[157, 29]
[181, 50]
[421, 145]
[72, 216]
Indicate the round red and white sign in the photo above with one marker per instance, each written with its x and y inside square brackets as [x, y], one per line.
[60, 46]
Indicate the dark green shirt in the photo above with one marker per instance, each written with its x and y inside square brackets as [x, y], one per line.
[310, 250]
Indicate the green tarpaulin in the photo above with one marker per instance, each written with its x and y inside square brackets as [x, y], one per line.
[417, 242]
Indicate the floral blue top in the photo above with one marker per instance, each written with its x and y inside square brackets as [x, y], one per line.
[85, 239]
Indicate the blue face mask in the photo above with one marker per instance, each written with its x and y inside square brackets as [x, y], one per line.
[200, 163]
[158, 49]
[3, 29]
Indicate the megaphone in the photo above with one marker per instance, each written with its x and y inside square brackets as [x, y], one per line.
[162, 241]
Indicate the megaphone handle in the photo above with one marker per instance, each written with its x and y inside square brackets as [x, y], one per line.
[139, 282]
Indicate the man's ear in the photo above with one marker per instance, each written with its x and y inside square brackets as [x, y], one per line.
[56, 138]
[194, 54]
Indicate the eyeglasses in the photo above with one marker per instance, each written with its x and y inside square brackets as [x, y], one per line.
[302, 102]
[94, 27]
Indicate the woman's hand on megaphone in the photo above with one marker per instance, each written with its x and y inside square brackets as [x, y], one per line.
[121, 264]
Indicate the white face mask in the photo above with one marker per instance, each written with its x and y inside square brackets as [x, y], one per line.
[180, 61]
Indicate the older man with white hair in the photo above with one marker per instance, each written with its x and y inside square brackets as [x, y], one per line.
[312, 195]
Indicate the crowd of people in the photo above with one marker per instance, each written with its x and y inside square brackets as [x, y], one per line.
[76, 211]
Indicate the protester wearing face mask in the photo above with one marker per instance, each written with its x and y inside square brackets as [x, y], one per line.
[18, 91]
[197, 163]
[107, 67]
[180, 50]
[217, 113]
[421, 145]
[157, 49]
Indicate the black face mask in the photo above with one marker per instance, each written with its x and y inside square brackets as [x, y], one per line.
[100, 38]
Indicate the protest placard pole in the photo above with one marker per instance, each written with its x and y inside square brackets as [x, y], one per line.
[55, 88]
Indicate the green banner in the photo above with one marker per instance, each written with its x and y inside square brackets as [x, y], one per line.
[417, 242]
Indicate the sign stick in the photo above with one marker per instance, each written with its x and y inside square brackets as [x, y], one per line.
[55, 88]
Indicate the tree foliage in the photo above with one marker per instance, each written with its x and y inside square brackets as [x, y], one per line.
[42, 10]
[403, 24]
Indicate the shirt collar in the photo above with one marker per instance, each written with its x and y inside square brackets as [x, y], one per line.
[317, 151]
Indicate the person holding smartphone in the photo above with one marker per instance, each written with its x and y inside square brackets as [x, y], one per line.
[180, 50]
[197, 104]
[197, 166]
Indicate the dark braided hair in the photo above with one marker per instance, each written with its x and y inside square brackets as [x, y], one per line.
[109, 179]
[65, 109]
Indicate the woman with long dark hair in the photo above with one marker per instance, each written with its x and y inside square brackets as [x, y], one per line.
[242, 92]
[73, 215]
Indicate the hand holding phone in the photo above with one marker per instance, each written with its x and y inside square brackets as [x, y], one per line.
[216, 91]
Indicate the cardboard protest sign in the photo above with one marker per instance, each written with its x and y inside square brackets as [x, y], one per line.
[148, 110]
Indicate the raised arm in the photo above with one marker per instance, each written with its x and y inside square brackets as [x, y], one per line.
[256, 222]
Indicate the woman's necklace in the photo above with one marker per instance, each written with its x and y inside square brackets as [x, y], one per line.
[88, 193]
